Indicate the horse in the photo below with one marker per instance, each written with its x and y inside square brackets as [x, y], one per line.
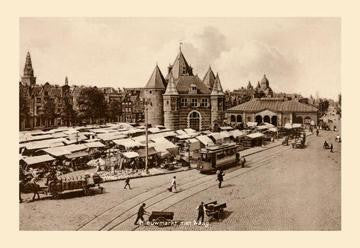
[31, 186]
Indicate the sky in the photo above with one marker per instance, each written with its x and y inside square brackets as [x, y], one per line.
[298, 55]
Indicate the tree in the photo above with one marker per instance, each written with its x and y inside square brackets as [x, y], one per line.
[92, 104]
[113, 110]
[323, 106]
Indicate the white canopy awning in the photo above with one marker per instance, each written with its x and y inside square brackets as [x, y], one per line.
[95, 144]
[189, 130]
[127, 143]
[216, 136]
[205, 140]
[251, 124]
[57, 151]
[255, 135]
[236, 133]
[131, 154]
[38, 159]
[224, 134]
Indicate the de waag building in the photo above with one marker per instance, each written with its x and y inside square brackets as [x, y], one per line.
[182, 100]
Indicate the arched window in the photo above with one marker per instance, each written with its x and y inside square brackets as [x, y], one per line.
[239, 118]
[258, 119]
[232, 118]
[267, 119]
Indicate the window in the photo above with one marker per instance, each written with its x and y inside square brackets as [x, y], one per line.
[204, 102]
[194, 102]
[232, 118]
[183, 102]
[38, 100]
[167, 102]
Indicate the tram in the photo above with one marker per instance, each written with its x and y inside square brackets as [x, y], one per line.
[217, 157]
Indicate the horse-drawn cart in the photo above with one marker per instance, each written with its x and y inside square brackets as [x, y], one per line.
[214, 210]
[57, 187]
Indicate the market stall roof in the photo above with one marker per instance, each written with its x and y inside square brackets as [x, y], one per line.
[273, 129]
[28, 137]
[57, 151]
[225, 134]
[261, 127]
[288, 126]
[151, 151]
[111, 136]
[189, 130]
[59, 135]
[45, 144]
[236, 133]
[38, 159]
[251, 124]
[95, 144]
[167, 134]
[183, 136]
[162, 144]
[130, 154]
[154, 130]
[205, 140]
[226, 128]
[296, 125]
[269, 125]
[77, 155]
[128, 143]
[216, 136]
[76, 147]
[180, 132]
[255, 135]
[91, 140]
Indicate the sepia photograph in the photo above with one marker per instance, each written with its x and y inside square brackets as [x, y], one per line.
[179, 124]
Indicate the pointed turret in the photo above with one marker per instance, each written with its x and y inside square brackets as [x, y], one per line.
[180, 67]
[28, 77]
[66, 81]
[249, 86]
[209, 78]
[258, 85]
[28, 70]
[217, 89]
[171, 87]
[156, 80]
[264, 82]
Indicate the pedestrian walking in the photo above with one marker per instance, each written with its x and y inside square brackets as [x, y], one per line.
[172, 187]
[220, 177]
[201, 213]
[331, 147]
[140, 214]
[317, 132]
[127, 182]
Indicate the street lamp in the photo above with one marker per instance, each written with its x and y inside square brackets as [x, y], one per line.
[147, 103]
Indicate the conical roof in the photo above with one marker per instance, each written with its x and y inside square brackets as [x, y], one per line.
[28, 70]
[66, 80]
[171, 87]
[180, 67]
[209, 78]
[217, 89]
[156, 80]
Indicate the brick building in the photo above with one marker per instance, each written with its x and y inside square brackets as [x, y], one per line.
[182, 99]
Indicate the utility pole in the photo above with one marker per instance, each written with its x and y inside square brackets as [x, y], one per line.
[147, 102]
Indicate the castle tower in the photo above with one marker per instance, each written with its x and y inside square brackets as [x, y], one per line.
[153, 93]
[180, 67]
[217, 99]
[209, 79]
[171, 109]
[28, 77]
[264, 83]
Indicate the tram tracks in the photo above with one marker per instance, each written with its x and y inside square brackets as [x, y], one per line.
[194, 185]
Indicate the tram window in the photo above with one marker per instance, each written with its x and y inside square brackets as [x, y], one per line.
[220, 155]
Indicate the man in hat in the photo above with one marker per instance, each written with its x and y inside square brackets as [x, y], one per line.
[140, 214]
[331, 147]
[201, 211]
[220, 177]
